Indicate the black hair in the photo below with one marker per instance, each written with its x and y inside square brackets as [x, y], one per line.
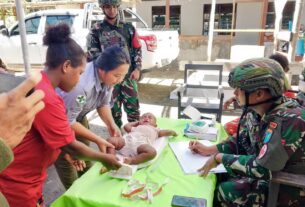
[112, 58]
[282, 60]
[62, 47]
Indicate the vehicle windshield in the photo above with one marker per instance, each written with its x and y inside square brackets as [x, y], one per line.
[55, 19]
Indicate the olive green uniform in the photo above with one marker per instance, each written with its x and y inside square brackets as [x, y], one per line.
[6, 157]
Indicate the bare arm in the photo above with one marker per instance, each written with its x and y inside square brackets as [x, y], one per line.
[81, 151]
[128, 126]
[105, 114]
[82, 131]
[167, 132]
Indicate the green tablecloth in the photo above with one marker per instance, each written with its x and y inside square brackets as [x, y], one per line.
[95, 190]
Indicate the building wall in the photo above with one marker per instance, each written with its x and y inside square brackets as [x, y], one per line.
[194, 8]
[194, 48]
[248, 17]
[191, 21]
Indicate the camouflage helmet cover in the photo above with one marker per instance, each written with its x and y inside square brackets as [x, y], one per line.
[109, 2]
[258, 73]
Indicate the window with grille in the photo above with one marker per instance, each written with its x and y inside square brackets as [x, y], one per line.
[158, 17]
[223, 18]
[287, 15]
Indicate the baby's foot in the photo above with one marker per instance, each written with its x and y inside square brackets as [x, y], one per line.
[128, 160]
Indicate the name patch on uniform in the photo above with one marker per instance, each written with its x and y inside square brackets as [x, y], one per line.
[81, 99]
[268, 135]
[263, 151]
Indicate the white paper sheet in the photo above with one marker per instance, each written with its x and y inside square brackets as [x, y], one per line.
[192, 112]
[189, 161]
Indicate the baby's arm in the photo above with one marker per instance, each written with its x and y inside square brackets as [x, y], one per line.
[128, 126]
[167, 132]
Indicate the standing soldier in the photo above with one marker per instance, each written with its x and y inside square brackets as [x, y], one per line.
[112, 31]
[259, 85]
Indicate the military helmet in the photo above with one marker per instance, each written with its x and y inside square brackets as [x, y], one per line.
[109, 2]
[258, 73]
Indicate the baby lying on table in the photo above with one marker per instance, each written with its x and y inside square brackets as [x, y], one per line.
[136, 145]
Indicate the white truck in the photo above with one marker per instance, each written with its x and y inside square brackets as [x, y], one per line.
[159, 48]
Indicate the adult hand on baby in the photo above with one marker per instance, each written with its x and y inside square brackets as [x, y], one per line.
[198, 148]
[118, 142]
[114, 131]
[103, 144]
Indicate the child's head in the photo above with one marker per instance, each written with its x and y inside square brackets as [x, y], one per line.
[282, 60]
[148, 118]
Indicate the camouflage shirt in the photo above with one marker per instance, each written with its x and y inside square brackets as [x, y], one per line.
[282, 148]
[301, 98]
[248, 142]
[104, 34]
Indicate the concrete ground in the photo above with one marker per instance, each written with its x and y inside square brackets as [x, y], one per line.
[154, 90]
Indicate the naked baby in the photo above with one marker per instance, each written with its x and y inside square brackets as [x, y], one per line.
[137, 145]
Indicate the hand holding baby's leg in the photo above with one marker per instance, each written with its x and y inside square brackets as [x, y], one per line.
[117, 142]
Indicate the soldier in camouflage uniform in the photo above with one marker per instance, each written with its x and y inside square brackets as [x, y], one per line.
[259, 85]
[112, 31]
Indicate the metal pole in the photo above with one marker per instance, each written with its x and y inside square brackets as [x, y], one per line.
[211, 30]
[24, 44]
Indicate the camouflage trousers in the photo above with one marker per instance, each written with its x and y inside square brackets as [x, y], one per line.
[126, 94]
[241, 192]
[66, 172]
